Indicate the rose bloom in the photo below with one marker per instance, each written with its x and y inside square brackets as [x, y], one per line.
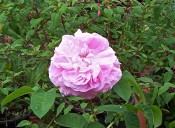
[84, 65]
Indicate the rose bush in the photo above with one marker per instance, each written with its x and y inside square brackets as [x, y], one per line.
[29, 32]
[84, 65]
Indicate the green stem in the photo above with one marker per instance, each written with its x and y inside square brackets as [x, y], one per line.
[92, 110]
[110, 125]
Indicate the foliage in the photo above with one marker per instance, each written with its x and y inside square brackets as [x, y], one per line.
[141, 33]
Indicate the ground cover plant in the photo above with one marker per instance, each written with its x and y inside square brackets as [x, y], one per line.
[141, 33]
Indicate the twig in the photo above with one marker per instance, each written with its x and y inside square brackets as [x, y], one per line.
[46, 37]
[38, 29]
[148, 70]
[62, 21]
[44, 32]
[110, 125]
[51, 122]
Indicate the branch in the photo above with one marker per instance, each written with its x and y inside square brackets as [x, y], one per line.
[44, 32]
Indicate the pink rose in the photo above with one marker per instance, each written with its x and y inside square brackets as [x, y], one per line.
[84, 65]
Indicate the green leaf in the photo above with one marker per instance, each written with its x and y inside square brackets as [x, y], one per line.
[152, 39]
[108, 12]
[167, 76]
[1, 25]
[83, 105]
[171, 59]
[35, 22]
[98, 30]
[157, 11]
[24, 123]
[55, 19]
[165, 87]
[121, 88]
[95, 125]
[169, 40]
[169, 84]
[63, 8]
[41, 101]
[147, 113]
[164, 47]
[7, 80]
[146, 79]
[172, 124]
[73, 2]
[68, 109]
[144, 55]
[36, 126]
[17, 93]
[5, 28]
[112, 108]
[155, 93]
[2, 65]
[169, 97]
[60, 108]
[131, 119]
[30, 33]
[87, 116]
[40, 70]
[5, 90]
[135, 84]
[18, 43]
[75, 98]
[3, 17]
[21, 1]
[72, 120]
[119, 9]
[157, 114]
[91, 6]
[11, 33]
[169, 70]
[18, 73]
